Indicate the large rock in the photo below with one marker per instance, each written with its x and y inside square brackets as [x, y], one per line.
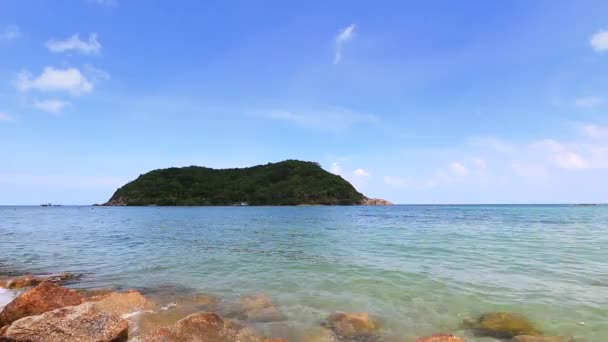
[440, 338]
[123, 303]
[351, 324]
[45, 297]
[256, 308]
[203, 327]
[502, 325]
[32, 280]
[82, 323]
[529, 338]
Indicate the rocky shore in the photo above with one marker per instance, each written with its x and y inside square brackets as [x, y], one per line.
[46, 311]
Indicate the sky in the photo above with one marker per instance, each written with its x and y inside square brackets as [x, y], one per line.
[412, 101]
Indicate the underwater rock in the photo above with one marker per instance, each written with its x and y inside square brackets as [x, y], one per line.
[349, 325]
[440, 338]
[45, 297]
[255, 308]
[32, 280]
[123, 303]
[204, 326]
[95, 294]
[529, 338]
[501, 325]
[83, 323]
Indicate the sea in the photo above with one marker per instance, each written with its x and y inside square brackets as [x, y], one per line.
[416, 269]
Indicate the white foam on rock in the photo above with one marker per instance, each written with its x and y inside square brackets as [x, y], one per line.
[6, 296]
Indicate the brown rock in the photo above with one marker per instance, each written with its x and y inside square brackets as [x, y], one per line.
[351, 324]
[95, 295]
[122, 303]
[529, 338]
[256, 308]
[440, 338]
[203, 327]
[375, 201]
[82, 323]
[502, 325]
[45, 297]
[32, 280]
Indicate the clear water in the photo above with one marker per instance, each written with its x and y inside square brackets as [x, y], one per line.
[417, 269]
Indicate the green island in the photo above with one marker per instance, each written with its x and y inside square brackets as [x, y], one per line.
[290, 182]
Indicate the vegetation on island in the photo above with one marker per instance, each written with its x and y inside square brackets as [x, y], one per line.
[290, 182]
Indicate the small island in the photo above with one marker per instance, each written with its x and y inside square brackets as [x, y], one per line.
[290, 182]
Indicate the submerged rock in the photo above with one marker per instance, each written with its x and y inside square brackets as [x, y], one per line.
[529, 338]
[349, 325]
[440, 338]
[203, 327]
[123, 303]
[502, 325]
[256, 308]
[45, 297]
[32, 280]
[82, 323]
[95, 294]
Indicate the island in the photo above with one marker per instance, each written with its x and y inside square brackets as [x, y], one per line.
[290, 182]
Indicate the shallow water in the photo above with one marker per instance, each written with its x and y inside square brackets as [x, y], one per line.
[417, 269]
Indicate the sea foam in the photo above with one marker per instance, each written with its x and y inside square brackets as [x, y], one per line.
[6, 296]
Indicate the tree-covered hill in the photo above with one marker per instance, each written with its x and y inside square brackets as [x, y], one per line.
[289, 182]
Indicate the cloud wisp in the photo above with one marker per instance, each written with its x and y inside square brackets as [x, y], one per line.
[344, 36]
[51, 106]
[588, 101]
[4, 117]
[599, 41]
[11, 32]
[70, 80]
[74, 43]
[333, 118]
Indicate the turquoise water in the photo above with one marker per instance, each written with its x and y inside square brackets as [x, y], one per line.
[417, 269]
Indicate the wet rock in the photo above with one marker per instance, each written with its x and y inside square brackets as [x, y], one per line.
[32, 280]
[203, 327]
[349, 325]
[123, 303]
[318, 334]
[255, 308]
[501, 325]
[529, 338]
[45, 297]
[82, 323]
[95, 294]
[440, 338]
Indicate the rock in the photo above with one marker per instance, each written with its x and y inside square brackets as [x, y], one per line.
[45, 297]
[256, 308]
[32, 280]
[440, 338]
[94, 295]
[351, 324]
[82, 323]
[123, 303]
[529, 338]
[375, 201]
[318, 334]
[502, 325]
[203, 327]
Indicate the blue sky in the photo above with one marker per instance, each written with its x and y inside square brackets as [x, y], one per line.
[412, 101]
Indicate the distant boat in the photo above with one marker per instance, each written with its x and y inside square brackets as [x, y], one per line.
[586, 204]
[50, 205]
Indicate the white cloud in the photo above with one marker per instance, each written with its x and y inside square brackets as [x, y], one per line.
[70, 80]
[104, 2]
[51, 106]
[5, 117]
[595, 131]
[599, 41]
[343, 36]
[335, 168]
[92, 46]
[588, 101]
[458, 168]
[563, 156]
[96, 73]
[11, 32]
[332, 118]
[361, 173]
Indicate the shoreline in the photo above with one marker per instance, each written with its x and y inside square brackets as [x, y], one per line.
[151, 313]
